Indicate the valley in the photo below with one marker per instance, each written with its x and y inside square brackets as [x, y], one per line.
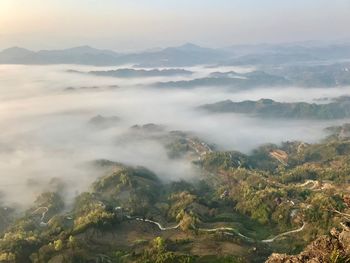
[180, 154]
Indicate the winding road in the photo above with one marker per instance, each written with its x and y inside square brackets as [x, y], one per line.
[225, 230]
[313, 182]
[284, 234]
[162, 228]
[157, 224]
[222, 229]
[248, 238]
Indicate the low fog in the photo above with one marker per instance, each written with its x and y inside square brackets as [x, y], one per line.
[45, 132]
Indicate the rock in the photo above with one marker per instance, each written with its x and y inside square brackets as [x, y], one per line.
[344, 239]
[334, 232]
[322, 250]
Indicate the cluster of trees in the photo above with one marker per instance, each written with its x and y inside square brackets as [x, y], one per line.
[159, 252]
[234, 186]
[274, 109]
[6, 217]
[27, 234]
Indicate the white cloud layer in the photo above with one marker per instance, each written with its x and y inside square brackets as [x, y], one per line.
[44, 131]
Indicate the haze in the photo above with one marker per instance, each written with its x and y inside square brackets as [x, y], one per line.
[140, 24]
[77, 60]
[45, 132]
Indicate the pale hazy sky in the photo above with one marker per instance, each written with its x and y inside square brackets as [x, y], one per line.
[140, 24]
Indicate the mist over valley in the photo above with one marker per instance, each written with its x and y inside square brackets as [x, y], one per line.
[173, 149]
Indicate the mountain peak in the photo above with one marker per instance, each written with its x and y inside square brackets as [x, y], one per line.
[16, 50]
[189, 46]
[83, 48]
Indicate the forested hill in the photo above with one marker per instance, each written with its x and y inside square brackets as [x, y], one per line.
[339, 109]
[240, 208]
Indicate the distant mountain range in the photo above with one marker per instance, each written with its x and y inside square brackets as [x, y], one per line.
[230, 79]
[287, 53]
[77, 55]
[337, 109]
[328, 75]
[185, 55]
[136, 73]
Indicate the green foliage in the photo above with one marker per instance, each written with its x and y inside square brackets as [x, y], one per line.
[260, 158]
[135, 189]
[159, 243]
[177, 148]
[337, 257]
[58, 245]
[320, 210]
[261, 214]
[220, 259]
[179, 202]
[251, 193]
[258, 203]
[7, 257]
[299, 174]
[72, 242]
[120, 257]
[158, 253]
[98, 217]
[281, 216]
[273, 109]
[53, 201]
[224, 160]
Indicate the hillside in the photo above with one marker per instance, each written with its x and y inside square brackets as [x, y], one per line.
[240, 209]
[134, 73]
[272, 109]
[231, 80]
[185, 55]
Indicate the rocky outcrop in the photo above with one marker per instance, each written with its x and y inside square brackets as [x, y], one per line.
[332, 248]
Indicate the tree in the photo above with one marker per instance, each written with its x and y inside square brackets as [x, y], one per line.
[159, 243]
[58, 245]
[72, 242]
[7, 257]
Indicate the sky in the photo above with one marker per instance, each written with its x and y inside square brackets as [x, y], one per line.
[142, 24]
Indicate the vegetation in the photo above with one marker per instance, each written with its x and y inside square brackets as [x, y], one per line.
[238, 201]
[272, 109]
